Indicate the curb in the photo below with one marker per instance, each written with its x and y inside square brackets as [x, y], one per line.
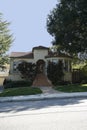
[43, 97]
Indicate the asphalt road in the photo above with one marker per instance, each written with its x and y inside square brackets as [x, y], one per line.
[56, 114]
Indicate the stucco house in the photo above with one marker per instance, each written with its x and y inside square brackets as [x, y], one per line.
[41, 56]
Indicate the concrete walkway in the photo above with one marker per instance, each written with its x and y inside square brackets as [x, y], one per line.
[49, 90]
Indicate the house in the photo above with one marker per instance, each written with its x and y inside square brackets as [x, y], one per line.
[41, 56]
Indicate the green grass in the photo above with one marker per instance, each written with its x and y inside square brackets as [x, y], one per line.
[72, 88]
[20, 91]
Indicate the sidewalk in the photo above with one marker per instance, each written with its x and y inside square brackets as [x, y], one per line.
[44, 96]
[49, 90]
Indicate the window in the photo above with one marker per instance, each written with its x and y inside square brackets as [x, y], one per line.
[14, 66]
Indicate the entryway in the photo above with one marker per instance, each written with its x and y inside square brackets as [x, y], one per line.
[40, 66]
[41, 78]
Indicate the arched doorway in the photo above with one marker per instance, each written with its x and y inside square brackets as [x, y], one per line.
[40, 66]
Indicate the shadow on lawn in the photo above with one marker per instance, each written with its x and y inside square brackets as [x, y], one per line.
[14, 107]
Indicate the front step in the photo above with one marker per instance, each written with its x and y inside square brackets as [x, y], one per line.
[41, 80]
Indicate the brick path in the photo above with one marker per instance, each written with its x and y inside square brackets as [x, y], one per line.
[41, 80]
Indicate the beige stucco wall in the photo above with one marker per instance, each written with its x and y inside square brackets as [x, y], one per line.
[40, 54]
[1, 81]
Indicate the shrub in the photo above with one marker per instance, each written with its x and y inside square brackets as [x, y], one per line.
[62, 82]
[16, 84]
[84, 74]
[27, 70]
[55, 72]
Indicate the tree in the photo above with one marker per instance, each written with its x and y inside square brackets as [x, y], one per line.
[5, 40]
[67, 23]
[27, 70]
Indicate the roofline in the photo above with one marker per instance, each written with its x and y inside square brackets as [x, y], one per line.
[40, 48]
[22, 57]
[25, 55]
[58, 57]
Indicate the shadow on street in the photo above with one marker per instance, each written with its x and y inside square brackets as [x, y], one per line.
[36, 105]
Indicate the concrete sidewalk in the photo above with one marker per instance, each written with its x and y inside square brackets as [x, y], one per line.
[44, 96]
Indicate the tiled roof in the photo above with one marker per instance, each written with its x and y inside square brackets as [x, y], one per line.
[55, 54]
[21, 55]
[30, 54]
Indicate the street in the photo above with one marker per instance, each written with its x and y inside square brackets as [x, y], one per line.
[52, 114]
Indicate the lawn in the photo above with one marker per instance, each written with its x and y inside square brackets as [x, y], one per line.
[72, 88]
[20, 91]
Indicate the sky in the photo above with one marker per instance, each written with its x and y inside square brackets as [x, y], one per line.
[28, 22]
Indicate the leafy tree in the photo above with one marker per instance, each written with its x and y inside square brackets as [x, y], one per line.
[27, 70]
[5, 40]
[67, 23]
[55, 72]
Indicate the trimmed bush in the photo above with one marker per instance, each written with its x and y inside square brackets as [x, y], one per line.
[28, 70]
[16, 84]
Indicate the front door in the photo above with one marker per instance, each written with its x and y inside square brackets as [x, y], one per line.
[40, 66]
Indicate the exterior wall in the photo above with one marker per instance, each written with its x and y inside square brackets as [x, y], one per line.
[17, 61]
[1, 81]
[3, 75]
[15, 75]
[40, 54]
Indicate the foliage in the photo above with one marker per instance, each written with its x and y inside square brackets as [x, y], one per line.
[82, 66]
[84, 73]
[77, 63]
[20, 91]
[27, 70]
[16, 84]
[67, 23]
[72, 88]
[55, 72]
[5, 40]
